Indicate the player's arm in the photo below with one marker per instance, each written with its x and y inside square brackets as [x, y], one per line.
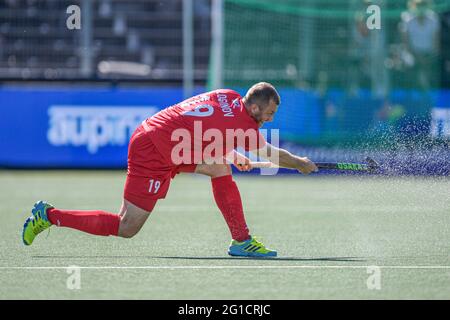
[241, 162]
[285, 159]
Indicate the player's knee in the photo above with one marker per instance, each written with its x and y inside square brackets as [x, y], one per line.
[218, 170]
[128, 233]
[128, 228]
[215, 170]
[132, 219]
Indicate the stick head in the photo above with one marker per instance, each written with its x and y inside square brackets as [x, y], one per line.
[372, 165]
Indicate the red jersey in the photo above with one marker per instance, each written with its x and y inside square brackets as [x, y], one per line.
[206, 126]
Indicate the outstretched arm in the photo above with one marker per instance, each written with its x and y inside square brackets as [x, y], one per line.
[285, 159]
[241, 162]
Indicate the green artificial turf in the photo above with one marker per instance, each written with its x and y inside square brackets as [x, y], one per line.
[327, 230]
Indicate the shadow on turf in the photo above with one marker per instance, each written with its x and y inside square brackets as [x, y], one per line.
[348, 259]
[268, 259]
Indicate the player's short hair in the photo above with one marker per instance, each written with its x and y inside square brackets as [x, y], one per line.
[261, 94]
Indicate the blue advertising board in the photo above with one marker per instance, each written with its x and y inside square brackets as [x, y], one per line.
[90, 127]
[77, 127]
[67, 127]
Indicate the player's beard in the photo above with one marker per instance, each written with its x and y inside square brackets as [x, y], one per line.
[257, 116]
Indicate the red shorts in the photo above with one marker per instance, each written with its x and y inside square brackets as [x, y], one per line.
[149, 175]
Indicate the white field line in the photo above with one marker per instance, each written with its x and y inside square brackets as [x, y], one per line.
[222, 267]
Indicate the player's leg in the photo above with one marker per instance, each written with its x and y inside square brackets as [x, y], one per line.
[44, 215]
[126, 224]
[228, 199]
[97, 222]
[140, 200]
[132, 218]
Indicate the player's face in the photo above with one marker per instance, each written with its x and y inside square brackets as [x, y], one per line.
[263, 115]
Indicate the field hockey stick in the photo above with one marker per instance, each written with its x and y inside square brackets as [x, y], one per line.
[370, 165]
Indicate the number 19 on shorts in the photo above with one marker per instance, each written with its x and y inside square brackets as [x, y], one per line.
[154, 186]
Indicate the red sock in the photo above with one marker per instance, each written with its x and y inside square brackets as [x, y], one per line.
[94, 222]
[228, 199]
